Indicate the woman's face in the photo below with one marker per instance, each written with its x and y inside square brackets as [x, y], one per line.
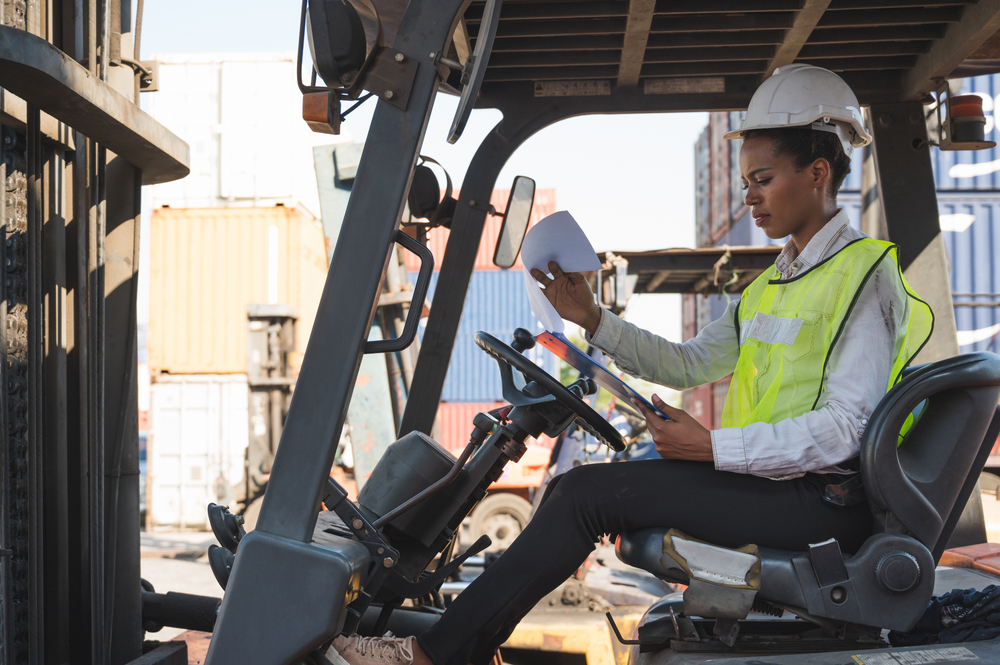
[782, 199]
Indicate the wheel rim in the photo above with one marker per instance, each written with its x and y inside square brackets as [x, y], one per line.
[502, 528]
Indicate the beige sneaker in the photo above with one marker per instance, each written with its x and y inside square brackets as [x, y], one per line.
[357, 650]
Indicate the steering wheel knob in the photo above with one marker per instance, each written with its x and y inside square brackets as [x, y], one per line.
[523, 340]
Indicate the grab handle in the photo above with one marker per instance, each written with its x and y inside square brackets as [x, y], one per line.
[416, 302]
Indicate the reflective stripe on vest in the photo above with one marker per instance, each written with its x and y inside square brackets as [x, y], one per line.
[788, 329]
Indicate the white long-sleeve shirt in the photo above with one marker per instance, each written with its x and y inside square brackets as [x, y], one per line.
[857, 375]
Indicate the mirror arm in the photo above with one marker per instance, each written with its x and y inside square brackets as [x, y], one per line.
[450, 64]
[489, 209]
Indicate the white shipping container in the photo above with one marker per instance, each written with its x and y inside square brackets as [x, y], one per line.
[241, 114]
[196, 446]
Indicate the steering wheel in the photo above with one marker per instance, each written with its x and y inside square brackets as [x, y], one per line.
[587, 418]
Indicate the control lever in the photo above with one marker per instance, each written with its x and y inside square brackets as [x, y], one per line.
[523, 340]
[583, 387]
[482, 425]
[425, 585]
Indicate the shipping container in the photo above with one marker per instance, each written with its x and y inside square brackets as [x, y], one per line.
[240, 115]
[702, 189]
[698, 403]
[717, 127]
[437, 238]
[736, 206]
[454, 423]
[497, 303]
[970, 224]
[196, 446]
[744, 232]
[208, 264]
[689, 321]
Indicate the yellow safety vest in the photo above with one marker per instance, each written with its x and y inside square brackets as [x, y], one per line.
[788, 329]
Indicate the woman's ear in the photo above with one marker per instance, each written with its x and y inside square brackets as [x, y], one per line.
[820, 172]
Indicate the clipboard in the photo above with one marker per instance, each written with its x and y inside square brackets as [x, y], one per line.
[580, 361]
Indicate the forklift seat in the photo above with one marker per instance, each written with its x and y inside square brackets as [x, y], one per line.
[917, 492]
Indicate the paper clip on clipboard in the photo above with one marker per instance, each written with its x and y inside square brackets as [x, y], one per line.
[580, 361]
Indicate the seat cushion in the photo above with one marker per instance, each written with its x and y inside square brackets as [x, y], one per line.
[644, 549]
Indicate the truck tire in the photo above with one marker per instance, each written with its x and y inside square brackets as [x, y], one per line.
[500, 516]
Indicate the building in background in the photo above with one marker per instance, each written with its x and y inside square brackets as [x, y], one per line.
[968, 196]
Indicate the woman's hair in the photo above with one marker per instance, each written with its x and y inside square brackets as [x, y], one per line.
[805, 146]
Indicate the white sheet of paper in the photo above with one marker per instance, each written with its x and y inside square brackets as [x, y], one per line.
[555, 238]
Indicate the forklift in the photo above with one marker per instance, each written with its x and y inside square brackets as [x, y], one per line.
[319, 565]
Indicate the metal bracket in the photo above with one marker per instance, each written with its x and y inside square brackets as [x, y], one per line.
[383, 557]
[432, 581]
[618, 634]
[391, 76]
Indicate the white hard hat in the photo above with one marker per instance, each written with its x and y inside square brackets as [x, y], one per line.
[806, 95]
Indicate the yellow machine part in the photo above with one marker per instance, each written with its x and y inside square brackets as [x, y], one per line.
[577, 631]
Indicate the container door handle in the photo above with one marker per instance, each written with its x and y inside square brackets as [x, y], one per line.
[416, 302]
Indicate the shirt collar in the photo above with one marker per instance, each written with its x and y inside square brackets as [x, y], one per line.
[790, 261]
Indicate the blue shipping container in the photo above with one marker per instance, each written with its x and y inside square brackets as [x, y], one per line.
[743, 231]
[970, 225]
[496, 303]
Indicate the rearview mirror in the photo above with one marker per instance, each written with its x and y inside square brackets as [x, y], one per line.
[515, 222]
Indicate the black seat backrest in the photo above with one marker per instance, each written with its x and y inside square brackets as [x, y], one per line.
[921, 487]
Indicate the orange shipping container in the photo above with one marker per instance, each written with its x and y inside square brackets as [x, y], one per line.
[208, 264]
[437, 239]
[454, 422]
[698, 402]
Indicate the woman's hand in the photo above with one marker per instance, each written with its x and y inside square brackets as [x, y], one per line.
[571, 296]
[682, 437]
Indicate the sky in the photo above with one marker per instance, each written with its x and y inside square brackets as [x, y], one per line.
[628, 180]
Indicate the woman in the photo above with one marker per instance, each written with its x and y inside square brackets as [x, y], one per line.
[813, 345]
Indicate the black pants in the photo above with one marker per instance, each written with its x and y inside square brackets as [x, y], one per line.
[590, 501]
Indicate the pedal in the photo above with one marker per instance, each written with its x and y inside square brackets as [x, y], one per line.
[228, 528]
[220, 560]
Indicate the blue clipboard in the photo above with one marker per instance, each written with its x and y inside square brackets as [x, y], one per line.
[580, 361]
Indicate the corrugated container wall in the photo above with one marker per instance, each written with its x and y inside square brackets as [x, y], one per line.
[207, 264]
[240, 113]
[970, 226]
[497, 303]
[195, 449]
[437, 238]
[744, 232]
[718, 125]
[735, 181]
[454, 422]
[702, 189]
